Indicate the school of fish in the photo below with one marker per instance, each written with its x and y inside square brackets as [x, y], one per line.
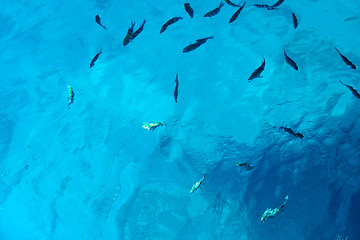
[131, 34]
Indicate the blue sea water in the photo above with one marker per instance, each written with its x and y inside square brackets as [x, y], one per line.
[93, 172]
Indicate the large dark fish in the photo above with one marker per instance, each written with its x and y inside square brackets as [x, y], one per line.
[354, 92]
[290, 61]
[236, 14]
[295, 20]
[289, 130]
[346, 61]
[168, 23]
[95, 58]
[197, 44]
[278, 3]
[231, 4]
[129, 34]
[214, 11]
[176, 91]
[137, 32]
[189, 10]
[98, 21]
[258, 71]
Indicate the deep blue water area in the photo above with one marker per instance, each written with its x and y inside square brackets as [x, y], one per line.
[76, 159]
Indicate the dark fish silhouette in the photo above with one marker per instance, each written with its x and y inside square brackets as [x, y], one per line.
[278, 3]
[98, 21]
[289, 130]
[264, 6]
[272, 7]
[295, 20]
[95, 58]
[261, 5]
[346, 61]
[258, 71]
[129, 34]
[197, 44]
[290, 61]
[214, 11]
[354, 92]
[176, 91]
[168, 23]
[231, 4]
[137, 32]
[236, 14]
[189, 10]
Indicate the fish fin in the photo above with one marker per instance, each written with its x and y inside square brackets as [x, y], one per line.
[338, 51]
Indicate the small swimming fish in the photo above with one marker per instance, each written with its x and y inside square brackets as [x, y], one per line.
[289, 130]
[236, 14]
[257, 71]
[346, 61]
[197, 184]
[129, 34]
[98, 21]
[140, 29]
[231, 4]
[152, 126]
[168, 23]
[245, 165]
[95, 58]
[214, 11]
[278, 3]
[354, 92]
[189, 10]
[264, 6]
[197, 44]
[290, 61]
[261, 5]
[272, 7]
[176, 91]
[272, 212]
[295, 20]
[71, 96]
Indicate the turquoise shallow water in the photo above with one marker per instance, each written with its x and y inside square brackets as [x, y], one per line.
[93, 172]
